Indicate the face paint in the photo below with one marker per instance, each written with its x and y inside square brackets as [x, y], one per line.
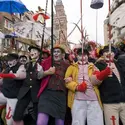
[23, 60]
[34, 54]
[12, 63]
[107, 56]
[57, 54]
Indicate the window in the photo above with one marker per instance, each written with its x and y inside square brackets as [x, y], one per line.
[8, 24]
[6, 43]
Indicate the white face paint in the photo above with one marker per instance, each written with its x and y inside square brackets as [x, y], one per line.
[34, 54]
[107, 56]
[23, 60]
[85, 58]
[12, 63]
[57, 54]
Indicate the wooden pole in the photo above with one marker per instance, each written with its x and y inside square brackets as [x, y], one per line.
[52, 30]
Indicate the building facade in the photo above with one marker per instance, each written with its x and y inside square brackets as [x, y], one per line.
[60, 22]
[117, 22]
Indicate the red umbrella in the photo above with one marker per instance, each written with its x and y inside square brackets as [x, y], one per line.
[37, 15]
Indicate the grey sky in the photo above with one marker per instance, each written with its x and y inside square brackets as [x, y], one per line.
[72, 9]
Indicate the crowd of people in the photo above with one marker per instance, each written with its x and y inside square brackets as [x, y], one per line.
[83, 87]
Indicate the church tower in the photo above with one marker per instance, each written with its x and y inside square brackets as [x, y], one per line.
[60, 22]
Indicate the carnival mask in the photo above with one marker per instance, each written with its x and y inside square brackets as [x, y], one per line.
[12, 63]
[34, 54]
[58, 55]
[108, 56]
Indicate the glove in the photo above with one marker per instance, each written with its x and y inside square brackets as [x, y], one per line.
[103, 74]
[82, 87]
[2, 75]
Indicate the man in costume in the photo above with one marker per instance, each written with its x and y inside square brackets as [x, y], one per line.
[23, 59]
[83, 98]
[52, 101]
[111, 83]
[30, 87]
[12, 79]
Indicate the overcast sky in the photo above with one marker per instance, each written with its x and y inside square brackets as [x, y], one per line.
[72, 9]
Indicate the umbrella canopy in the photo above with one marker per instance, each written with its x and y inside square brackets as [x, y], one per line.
[31, 30]
[117, 18]
[12, 6]
[2, 36]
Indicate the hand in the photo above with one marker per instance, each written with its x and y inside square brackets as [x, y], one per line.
[39, 67]
[51, 70]
[69, 79]
[82, 87]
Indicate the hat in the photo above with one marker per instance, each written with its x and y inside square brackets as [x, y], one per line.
[85, 51]
[106, 48]
[33, 47]
[23, 56]
[12, 56]
[46, 51]
[59, 47]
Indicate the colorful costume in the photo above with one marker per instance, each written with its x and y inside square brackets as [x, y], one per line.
[29, 90]
[52, 100]
[83, 99]
[12, 81]
[112, 88]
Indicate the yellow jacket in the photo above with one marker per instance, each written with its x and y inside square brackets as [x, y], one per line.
[72, 71]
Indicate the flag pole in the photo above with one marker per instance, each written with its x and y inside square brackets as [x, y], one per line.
[52, 31]
[82, 37]
[109, 26]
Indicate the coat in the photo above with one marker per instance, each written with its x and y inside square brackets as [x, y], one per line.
[72, 71]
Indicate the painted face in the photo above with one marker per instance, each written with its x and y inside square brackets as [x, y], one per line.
[107, 55]
[34, 54]
[57, 54]
[12, 63]
[85, 58]
[23, 60]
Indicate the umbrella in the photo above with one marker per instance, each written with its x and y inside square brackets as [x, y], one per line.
[31, 30]
[41, 15]
[12, 6]
[117, 18]
[2, 36]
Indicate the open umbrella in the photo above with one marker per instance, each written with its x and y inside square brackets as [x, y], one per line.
[12, 6]
[41, 15]
[31, 30]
